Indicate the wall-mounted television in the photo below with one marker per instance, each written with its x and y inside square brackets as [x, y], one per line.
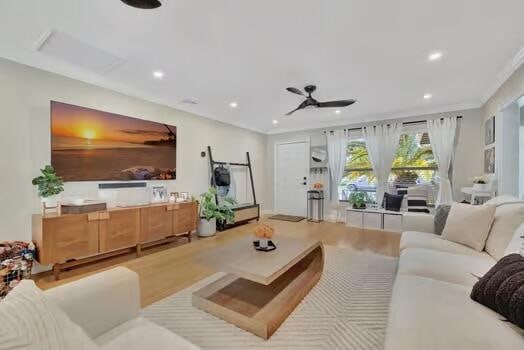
[92, 145]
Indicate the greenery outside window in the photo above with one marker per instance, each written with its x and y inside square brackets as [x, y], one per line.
[414, 164]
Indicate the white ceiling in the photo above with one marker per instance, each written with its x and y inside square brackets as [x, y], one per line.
[219, 51]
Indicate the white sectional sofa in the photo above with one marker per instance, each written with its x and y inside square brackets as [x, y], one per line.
[431, 307]
[107, 307]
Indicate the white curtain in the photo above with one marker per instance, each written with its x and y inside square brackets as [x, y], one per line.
[442, 136]
[337, 148]
[382, 143]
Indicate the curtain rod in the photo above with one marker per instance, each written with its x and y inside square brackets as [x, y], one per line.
[404, 123]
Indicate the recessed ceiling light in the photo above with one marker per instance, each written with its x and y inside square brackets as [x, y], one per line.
[427, 96]
[338, 111]
[275, 121]
[158, 74]
[435, 56]
[233, 105]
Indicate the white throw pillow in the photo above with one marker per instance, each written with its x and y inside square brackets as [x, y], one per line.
[508, 217]
[516, 245]
[28, 321]
[469, 224]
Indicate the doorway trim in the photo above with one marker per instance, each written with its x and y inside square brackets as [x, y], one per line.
[307, 141]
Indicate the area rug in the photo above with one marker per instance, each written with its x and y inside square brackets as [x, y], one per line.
[291, 218]
[347, 309]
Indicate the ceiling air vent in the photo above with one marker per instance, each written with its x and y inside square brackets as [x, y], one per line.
[78, 52]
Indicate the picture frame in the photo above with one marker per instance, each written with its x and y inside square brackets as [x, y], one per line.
[184, 196]
[489, 160]
[159, 194]
[489, 131]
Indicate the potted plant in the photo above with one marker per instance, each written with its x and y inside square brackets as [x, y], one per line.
[480, 183]
[49, 186]
[211, 213]
[358, 199]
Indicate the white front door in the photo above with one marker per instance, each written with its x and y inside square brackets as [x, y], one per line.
[291, 177]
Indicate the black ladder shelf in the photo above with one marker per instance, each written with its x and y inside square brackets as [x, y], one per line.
[245, 213]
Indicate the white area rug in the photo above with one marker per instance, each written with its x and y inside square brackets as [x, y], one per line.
[347, 309]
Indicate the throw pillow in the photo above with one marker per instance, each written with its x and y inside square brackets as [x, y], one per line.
[28, 321]
[392, 202]
[441, 216]
[508, 217]
[502, 289]
[418, 199]
[469, 224]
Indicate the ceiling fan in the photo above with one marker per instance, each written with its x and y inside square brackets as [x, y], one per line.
[311, 102]
[143, 4]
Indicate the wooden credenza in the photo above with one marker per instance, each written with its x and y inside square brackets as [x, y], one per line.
[68, 240]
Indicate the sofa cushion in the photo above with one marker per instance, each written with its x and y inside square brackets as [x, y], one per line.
[429, 314]
[142, 334]
[508, 217]
[516, 245]
[469, 224]
[447, 267]
[414, 239]
[29, 321]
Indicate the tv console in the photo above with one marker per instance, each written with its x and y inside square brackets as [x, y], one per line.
[69, 240]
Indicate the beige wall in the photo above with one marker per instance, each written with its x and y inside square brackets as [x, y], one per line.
[468, 157]
[25, 140]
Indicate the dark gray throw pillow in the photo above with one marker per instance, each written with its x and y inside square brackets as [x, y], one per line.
[441, 216]
[392, 202]
[502, 289]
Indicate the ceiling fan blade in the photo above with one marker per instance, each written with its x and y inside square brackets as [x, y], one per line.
[143, 4]
[303, 105]
[295, 91]
[293, 111]
[341, 103]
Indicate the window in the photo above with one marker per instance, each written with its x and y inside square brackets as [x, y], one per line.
[414, 164]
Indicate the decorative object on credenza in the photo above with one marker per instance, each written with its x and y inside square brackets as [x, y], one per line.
[211, 212]
[173, 196]
[489, 129]
[16, 262]
[184, 196]
[489, 160]
[49, 186]
[158, 194]
[264, 233]
[82, 206]
[358, 199]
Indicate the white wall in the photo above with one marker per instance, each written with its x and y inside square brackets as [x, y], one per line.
[25, 140]
[468, 157]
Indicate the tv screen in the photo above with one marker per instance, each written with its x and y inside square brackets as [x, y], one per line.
[91, 145]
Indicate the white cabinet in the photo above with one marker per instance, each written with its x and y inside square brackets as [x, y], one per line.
[354, 218]
[374, 219]
[393, 222]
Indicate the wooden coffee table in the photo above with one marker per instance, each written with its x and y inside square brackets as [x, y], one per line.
[261, 288]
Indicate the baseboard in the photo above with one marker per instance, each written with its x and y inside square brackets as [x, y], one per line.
[267, 212]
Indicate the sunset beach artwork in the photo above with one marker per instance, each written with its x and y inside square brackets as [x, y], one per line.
[91, 145]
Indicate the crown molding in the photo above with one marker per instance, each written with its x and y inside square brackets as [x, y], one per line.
[364, 119]
[504, 75]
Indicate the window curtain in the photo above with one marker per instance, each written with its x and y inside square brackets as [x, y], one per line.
[337, 148]
[442, 135]
[382, 143]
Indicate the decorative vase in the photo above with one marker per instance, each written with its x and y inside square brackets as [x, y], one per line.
[263, 242]
[207, 228]
[481, 187]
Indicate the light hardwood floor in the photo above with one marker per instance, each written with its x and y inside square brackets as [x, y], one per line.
[164, 270]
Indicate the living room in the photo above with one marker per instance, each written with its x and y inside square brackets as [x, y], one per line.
[184, 174]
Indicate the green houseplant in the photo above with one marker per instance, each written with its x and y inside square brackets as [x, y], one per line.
[211, 212]
[358, 199]
[49, 185]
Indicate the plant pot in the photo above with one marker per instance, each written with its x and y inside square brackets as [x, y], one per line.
[50, 203]
[207, 228]
[362, 206]
[481, 187]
